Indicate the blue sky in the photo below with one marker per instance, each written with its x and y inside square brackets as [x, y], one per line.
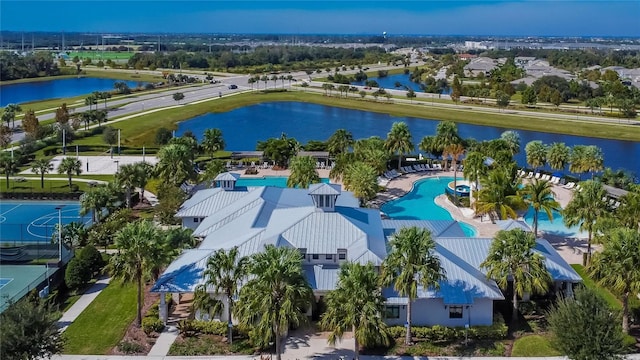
[446, 17]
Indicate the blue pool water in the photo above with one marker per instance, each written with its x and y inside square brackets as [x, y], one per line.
[419, 204]
[35, 221]
[277, 181]
[52, 89]
[555, 227]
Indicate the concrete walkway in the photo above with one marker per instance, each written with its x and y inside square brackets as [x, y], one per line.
[72, 314]
[164, 341]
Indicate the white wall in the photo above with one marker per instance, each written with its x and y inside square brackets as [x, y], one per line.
[188, 222]
[429, 312]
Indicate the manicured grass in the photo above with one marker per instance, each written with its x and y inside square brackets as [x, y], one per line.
[102, 325]
[33, 186]
[611, 299]
[101, 55]
[533, 345]
[141, 130]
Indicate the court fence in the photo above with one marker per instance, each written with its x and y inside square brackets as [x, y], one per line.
[23, 234]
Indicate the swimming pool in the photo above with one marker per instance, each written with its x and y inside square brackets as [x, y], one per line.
[419, 204]
[277, 181]
[35, 221]
[555, 227]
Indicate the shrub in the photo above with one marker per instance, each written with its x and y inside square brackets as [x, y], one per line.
[211, 327]
[93, 259]
[128, 347]
[629, 342]
[152, 325]
[77, 274]
[188, 328]
[398, 331]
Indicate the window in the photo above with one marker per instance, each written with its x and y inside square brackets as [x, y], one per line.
[315, 256]
[303, 253]
[329, 257]
[342, 256]
[455, 312]
[195, 220]
[392, 312]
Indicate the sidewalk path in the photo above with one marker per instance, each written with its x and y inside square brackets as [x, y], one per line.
[72, 314]
[164, 341]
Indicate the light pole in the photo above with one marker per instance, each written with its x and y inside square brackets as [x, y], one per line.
[59, 208]
[117, 166]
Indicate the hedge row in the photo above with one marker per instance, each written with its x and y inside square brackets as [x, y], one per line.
[439, 333]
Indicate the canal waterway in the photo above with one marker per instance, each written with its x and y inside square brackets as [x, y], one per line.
[242, 128]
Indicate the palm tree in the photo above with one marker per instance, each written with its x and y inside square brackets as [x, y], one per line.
[212, 169]
[617, 267]
[94, 200]
[139, 256]
[594, 159]
[12, 110]
[628, 213]
[455, 151]
[203, 301]
[340, 165]
[536, 153]
[377, 158]
[411, 263]
[475, 168]
[511, 258]
[558, 156]
[577, 159]
[339, 142]
[399, 140]
[174, 164]
[41, 167]
[538, 194]
[446, 134]
[355, 305]
[90, 100]
[276, 296]
[362, 180]
[225, 272]
[127, 177]
[499, 196]
[212, 141]
[586, 208]
[303, 172]
[70, 166]
[512, 138]
[9, 165]
[144, 171]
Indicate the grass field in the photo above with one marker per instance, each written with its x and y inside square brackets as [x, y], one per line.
[102, 325]
[33, 186]
[141, 130]
[101, 55]
[533, 346]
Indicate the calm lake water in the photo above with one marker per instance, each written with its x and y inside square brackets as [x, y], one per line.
[61, 88]
[242, 128]
[389, 82]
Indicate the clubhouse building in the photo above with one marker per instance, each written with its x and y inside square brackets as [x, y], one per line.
[329, 228]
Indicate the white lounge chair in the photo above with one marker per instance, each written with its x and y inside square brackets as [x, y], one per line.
[569, 185]
[537, 176]
[530, 175]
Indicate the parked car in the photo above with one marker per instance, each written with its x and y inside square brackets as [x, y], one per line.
[233, 86]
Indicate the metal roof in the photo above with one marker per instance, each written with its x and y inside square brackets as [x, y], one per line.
[227, 176]
[185, 273]
[438, 228]
[202, 205]
[324, 189]
[511, 224]
[322, 277]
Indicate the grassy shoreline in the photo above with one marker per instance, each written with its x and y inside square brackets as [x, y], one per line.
[142, 130]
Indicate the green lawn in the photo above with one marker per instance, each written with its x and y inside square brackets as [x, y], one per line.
[611, 299]
[533, 345]
[104, 55]
[102, 325]
[33, 186]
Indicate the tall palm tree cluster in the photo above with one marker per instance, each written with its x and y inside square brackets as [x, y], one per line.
[580, 158]
[268, 291]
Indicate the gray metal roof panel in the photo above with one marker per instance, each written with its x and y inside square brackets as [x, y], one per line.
[185, 273]
[324, 189]
[438, 228]
[513, 224]
[227, 176]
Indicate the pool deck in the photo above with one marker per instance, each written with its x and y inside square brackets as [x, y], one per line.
[570, 249]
